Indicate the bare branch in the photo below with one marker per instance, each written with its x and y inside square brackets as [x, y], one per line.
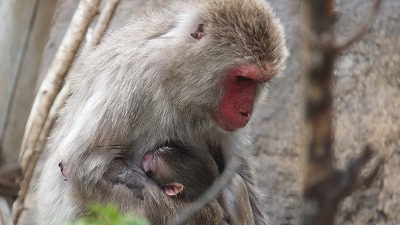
[48, 91]
[324, 186]
[355, 168]
[371, 177]
[351, 179]
[360, 162]
[88, 9]
[59, 101]
[102, 25]
[211, 193]
[51, 84]
[364, 28]
[39, 145]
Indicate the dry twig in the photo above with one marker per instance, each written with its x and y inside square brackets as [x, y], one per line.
[62, 96]
[363, 28]
[51, 85]
[324, 186]
[102, 25]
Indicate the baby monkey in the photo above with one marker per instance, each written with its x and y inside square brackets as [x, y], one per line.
[185, 174]
[181, 172]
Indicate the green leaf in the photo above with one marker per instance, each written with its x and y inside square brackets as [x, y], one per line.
[108, 215]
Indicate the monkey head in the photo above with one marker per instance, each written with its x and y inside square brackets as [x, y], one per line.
[180, 172]
[215, 51]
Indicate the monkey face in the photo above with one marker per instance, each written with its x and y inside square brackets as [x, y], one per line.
[227, 64]
[182, 172]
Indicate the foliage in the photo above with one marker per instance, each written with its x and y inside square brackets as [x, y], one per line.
[108, 215]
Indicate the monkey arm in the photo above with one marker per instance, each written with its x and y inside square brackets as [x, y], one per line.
[151, 201]
[236, 202]
[245, 182]
[98, 174]
[254, 195]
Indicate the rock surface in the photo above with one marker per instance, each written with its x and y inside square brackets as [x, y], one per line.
[367, 109]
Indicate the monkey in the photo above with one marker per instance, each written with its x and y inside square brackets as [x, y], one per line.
[158, 207]
[173, 169]
[186, 174]
[127, 185]
[236, 203]
[181, 172]
[192, 72]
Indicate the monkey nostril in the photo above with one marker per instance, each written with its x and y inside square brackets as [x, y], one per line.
[245, 114]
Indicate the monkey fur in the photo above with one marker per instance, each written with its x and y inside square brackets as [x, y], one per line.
[184, 172]
[192, 72]
[186, 175]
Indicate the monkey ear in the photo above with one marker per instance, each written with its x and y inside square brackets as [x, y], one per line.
[173, 188]
[199, 33]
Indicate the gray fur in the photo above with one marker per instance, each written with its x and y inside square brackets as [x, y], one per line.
[148, 83]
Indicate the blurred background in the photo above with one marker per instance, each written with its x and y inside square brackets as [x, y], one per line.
[367, 98]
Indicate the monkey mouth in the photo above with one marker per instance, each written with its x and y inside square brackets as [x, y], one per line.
[234, 120]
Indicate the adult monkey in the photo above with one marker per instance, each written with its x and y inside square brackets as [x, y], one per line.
[193, 72]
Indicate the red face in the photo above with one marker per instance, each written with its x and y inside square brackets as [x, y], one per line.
[237, 102]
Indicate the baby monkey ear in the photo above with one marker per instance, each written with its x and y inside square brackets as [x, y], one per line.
[173, 188]
[199, 33]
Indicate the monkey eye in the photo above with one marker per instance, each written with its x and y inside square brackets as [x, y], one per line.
[242, 80]
[150, 173]
[199, 33]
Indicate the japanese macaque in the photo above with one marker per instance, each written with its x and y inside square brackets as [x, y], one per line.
[181, 172]
[193, 72]
[186, 174]
[158, 207]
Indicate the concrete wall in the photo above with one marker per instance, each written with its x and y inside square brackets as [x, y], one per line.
[24, 30]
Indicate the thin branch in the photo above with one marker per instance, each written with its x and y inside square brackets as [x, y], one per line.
[30, 168]
[325, 186]
[102, 24]
[51, 84]
[47, 93]
[351, 180]
[61, 98]
[367, 180]
[63, 94]
[210, 194]
[356, 167]
[364, 28]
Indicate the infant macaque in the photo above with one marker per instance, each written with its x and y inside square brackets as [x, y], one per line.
[187, 173]
[181, 172]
